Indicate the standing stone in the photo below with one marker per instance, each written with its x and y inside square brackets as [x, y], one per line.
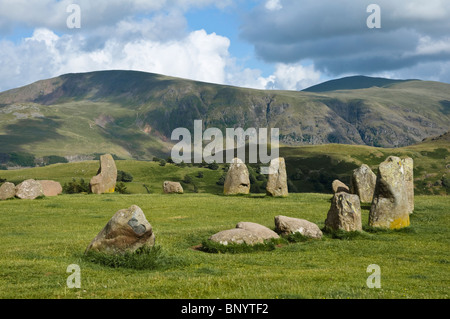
[289, 225]
[29, 189]
[237, 180]
[338, 187]
[363, 183]
[7, 191]
[105, 181]
[172, 187]
[126, 231]
[277, 180]
[259, 230]
[390, 207]
[344, 213]
[51, 188]
[408, 164]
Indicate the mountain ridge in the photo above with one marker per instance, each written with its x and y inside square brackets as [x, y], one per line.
[132, 114]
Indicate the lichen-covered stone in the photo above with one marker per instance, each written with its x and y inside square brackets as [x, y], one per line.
[363, 183]
[105, 180]
[29, 189]
[390, 207]
[127, 231]
[7, 191]
[259, 230]
[337, 186]
[237, 180]
[344, 213]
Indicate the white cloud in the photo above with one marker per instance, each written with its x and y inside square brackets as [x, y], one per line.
[273, 5]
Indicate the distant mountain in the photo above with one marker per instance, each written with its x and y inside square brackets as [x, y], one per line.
[132, 114]
[353, 83]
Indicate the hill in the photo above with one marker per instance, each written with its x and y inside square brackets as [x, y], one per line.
[353, 83]
[132, 114]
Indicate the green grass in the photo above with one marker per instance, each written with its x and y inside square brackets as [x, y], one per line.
[41, 238]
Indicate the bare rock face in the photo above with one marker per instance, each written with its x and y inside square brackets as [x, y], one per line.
[126, 231]
[289, 225]
[259, 230]
[172, 187]
[390, 207]
[408, 165]
[344, 213]
[363, 183]
[51, 188]
[236, 236]
[237, 180]
[105, 181]
[29, 189]
[277, 180]
[7, 191]
[338, 187]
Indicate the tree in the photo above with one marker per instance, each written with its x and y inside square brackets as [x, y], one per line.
[124, 177]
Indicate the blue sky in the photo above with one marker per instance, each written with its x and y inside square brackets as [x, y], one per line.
[263, 44]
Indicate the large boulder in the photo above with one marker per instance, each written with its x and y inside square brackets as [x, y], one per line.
[259, 230]
[105, 180]
[172, 187]
[363, 183]
[277, 180]
[237, 180]
[7, 191]
[289, 225]
[390, 207]
[337, 186]
[408, 165]
[51, 188]
[236, 236]
[127, 231]
[29, 189]
[344, 213]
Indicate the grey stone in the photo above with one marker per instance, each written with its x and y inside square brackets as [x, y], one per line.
[172, 187]
[337, 187]
[363, 183]
[127, 231]
[7, 191]
[29, 189]
[277, 180]
[259, 230]
[289, 225]
[344, 213]
[236, 236]
[237, 180]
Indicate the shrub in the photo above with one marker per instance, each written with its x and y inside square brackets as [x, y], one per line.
[54, 159]
[124, 177]
[221, 180]
[22, 159]
[162, 163]
[75, 187]
[187, 179]
[200, 175]
[214, 166]
[122, 188]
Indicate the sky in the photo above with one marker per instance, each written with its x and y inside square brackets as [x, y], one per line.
[262, 44]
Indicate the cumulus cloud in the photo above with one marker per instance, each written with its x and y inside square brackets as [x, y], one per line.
[334, 34]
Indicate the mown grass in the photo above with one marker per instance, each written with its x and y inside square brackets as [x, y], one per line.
[41, 238]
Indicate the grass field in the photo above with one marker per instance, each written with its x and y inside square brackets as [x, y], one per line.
[41, 238]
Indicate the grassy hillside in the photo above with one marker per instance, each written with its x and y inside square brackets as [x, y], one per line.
[41, 238]
[309, 169]
[132, 114]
